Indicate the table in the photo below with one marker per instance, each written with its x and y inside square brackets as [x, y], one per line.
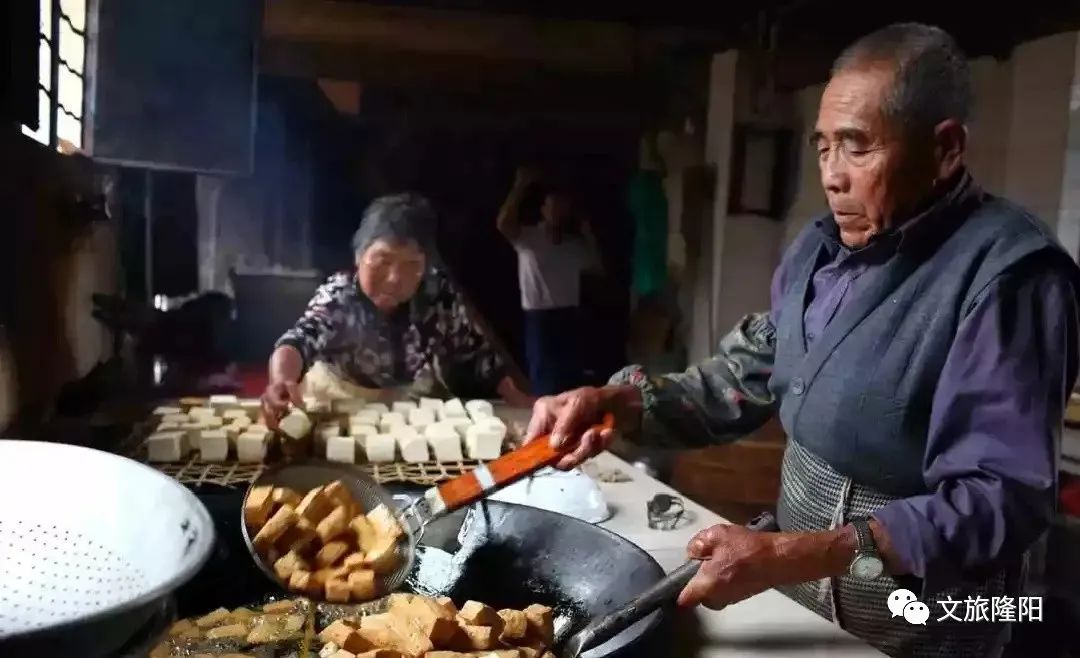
[767, 624]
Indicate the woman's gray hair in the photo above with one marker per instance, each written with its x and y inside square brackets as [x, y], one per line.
[932, 79]
[399, 218]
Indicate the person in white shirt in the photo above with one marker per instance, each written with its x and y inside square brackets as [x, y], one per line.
[552, 255]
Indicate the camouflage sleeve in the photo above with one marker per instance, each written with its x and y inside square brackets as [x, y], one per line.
[324, 313]
[714, 402]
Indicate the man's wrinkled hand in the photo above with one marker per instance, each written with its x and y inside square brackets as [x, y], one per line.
[569, 419]
[737, 564]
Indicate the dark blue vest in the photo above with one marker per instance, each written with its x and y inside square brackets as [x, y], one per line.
[860, 397]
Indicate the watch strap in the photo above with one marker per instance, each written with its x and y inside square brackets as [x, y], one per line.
[864, 537]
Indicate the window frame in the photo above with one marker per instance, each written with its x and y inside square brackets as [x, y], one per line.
[57, 16]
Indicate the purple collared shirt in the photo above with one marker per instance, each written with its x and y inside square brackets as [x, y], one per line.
[990, 461]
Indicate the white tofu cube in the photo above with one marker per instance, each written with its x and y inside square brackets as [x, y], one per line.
[214, 445]
[257, 427]
[434, 405]
[243, 422]
[365, 417]
[190, 440]
[295, 424]
[168, 411]
[377, 407]
[391, 420]
[358, 430]
[251, 447]
[251, 405]
[348, 405]
[379, 448]
[403, 407]
[411, 443]
[341, 449]
[169, 427]
[421, 418]
[493, 422]
[223, 402]
[202, 412]
[484, 442]
[323, 433]
[165, 447]
[454, 409]
[233, 414]
[212, 421]
[479, 408]
[444, 442]
[462, 425]
[175, 418]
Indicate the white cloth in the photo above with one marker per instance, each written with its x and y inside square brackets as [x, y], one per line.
[550, 274]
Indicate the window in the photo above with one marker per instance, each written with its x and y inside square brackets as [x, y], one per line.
[61, 62]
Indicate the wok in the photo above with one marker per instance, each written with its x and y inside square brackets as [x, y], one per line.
[510, 556]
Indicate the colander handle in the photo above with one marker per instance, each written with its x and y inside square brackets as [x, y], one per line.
[504, 471]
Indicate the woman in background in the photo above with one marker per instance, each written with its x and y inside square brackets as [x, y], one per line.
[395, 321]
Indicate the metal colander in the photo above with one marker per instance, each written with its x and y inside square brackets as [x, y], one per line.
[87, 537]
[304, 476]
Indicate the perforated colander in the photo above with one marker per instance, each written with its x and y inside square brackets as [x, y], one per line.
[87, 536]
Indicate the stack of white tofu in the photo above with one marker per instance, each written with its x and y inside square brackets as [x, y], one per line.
[414, 432]
[223, 425]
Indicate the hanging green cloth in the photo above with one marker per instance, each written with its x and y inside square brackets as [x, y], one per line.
[648, 205]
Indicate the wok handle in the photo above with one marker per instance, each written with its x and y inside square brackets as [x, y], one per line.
[504, 471]
[665, 590]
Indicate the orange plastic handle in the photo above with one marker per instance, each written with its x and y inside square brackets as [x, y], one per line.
[506, 470]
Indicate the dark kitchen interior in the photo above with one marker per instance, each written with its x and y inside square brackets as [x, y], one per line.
[164, 229]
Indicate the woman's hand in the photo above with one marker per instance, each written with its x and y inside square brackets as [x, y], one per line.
[276, 400]
[570, 419]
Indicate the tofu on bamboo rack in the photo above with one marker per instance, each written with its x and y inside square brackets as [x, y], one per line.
[223, 428]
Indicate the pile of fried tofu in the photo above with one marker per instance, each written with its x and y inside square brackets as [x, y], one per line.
[218, 428]
[352, 431]
[421, 627]
[280, 623]
[322, 543]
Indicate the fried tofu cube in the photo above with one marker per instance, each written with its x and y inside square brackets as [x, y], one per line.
[474, 613]
[337, 590]
[315, 506]
[285, 496]
[384, 653]
[284, 605]
[288, 563]
[393, 632]
[427, 615]
[181, 627]
[330, 553]
[300, 581]
[362, 585]
[541, 623]
[515, 625]
[365, 532]
[283, 519]
[384, 522]
[339, 493]
[383, 557]
[335, 524]
[300, 538]
[211, 619]
[230, 631]
[337, 633]
[447, 604]
[355, 561]
[476, 638]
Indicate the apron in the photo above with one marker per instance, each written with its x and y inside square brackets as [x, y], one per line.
[813, 496]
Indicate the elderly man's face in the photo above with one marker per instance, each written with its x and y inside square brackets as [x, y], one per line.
[870, 173]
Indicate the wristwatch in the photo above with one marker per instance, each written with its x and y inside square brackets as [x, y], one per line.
[867, 563]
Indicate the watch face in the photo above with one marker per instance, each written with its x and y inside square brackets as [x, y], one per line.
[867, 567]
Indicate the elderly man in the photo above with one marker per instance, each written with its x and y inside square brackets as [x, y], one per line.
[920, 347]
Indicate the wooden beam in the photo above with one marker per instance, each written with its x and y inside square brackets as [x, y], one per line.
[580, 46]
[506, 84]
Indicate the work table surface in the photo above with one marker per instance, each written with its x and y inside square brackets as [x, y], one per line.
[768, 624]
